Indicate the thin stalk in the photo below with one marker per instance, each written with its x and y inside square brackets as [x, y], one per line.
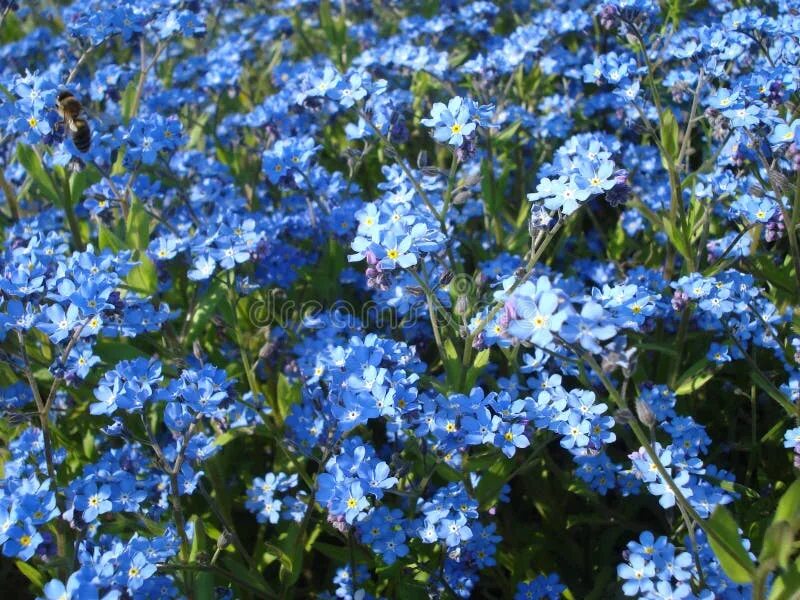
[541, 242]
[144, 70]
[72, 220]
[417, 187]
[44, 423]
[497, 225]
[11, 196]
[451, 180]
[84, 55]
[688, 133]
[429, 298]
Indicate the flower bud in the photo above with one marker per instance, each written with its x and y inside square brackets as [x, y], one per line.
[644, 413]
[462, 305]
[680, 300]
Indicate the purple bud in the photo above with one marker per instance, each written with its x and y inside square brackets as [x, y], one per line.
[680, 300]
[621, 192]
[609, 16]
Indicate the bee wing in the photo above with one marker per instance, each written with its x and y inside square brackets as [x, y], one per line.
[73, 127]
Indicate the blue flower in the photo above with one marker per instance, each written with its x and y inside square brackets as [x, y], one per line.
[564, 194]
[93, 501]
[588, 328]
[60, 323]
[452, 123]
[509, 437]
[785, 133]
[791, 439]
[638, 575]
[536, 320]
[23, 541]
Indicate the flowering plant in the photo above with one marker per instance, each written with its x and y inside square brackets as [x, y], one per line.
[400, 300]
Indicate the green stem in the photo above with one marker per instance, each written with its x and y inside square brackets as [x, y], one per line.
[451, 180]
[44, 423]
[497, 225]
[414, 182]
[430, 301]
[11, 196]
[683, 329]
[72, 220]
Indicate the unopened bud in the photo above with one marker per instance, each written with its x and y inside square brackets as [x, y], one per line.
[472, 180]
[224, 539]
[461, 197]
[462, 304]
[644, 413]
[197, 350]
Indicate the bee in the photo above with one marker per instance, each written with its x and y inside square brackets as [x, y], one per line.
[70, 110]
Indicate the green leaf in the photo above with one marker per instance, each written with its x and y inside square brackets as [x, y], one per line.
[773, 392]
[290, 554]
[326, 21]
[127, 101]
[786, 585]
[508, 132]
[137, 227]
[789, 505]
[728, 548]
[486, 187]
[780, 276]
[676, 237]
[206, 309]
[777, 544]
[670, 135]
[35, 169]
[288, 395]
[143, 278]
[89, 449]
[204, 580]
[694, 378]
[230, 435]
[111, 352]
[493, 479]
[245, 575]
[478, 365]
[107, 239]
[32, 573]
[79, 181]
[663, 348]
[452, 365]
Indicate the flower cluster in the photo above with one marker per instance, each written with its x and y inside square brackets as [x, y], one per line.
[399, 300]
